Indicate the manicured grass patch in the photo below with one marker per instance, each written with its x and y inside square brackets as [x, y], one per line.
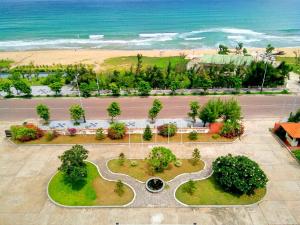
[297, 154]
[96, 191]
[290, 61]
[126, 62]
[142, 171]
[210, 193]
[134, 138]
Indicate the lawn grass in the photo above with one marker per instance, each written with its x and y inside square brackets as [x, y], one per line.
[208, 192]
[126, 62]
[134, 138]
[142, 172]
[96, 191]
[296, 153]
[290, 61]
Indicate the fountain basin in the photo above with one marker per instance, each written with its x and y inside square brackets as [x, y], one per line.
[155, 184]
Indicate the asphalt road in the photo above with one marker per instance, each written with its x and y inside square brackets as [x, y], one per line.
[254, 107]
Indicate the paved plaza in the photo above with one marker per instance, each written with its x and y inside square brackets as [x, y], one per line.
[26, 170]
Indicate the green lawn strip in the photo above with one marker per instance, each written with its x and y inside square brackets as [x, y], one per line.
[126, 62]
[142, 171]
[210, 193]
[134, 138]
[290, 61]
[92, 193]
[297, 154]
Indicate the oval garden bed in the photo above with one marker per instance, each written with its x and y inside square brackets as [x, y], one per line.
[208, 192]
[142, 172]
[95, 191]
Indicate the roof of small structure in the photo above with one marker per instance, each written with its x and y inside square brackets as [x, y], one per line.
[227, 59]
[293, 129]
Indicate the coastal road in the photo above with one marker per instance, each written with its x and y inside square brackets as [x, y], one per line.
[253, 107]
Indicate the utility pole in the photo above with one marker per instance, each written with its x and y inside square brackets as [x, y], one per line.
[79, 94]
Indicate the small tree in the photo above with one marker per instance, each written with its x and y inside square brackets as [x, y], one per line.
[174, 85]
[155, 109]
[269, 49]
[5, 85]
[147, 135]
[76, 113]
[119, 189]
[73, 166]
[223, 50]
[139, 64]
[114, 110]
[294, 117]
[144, 88]
[194, 111]
[196, 156]
[211, 111]
[85, 90]
[121, 159]
[22, 86]
[189, 187]
[238, 174]
[56, 87]
[115, 89]
[160, 158]
[231, 110]
[43, 112]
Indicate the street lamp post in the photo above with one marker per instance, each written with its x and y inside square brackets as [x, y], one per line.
[80, 100]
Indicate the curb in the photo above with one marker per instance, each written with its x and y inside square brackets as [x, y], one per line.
[214, 206]
[96, 206]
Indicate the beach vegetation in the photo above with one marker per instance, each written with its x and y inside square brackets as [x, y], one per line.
[223, 50]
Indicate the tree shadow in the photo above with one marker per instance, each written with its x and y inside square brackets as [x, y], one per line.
[75, 185]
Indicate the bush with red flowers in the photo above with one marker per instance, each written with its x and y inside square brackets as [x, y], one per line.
[232, 129]
[26, 132]
[167, 130]
[72, 131]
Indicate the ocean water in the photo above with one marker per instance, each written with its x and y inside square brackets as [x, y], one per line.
[147, 24]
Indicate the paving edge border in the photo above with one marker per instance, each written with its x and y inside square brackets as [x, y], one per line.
[214, 206]
[142, 182]
[94, 206]
[283, 144]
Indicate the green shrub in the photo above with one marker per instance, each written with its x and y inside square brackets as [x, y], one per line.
[100, 134]
[196, 156]
[133, 163]
[116, 131]
[297, 153]
[121, 159]
[193, 135]
[215, 136]
[25, 133]
[167, 130]
[232, 129]
[50, 135]
[238, 174]
[178, 163]
[119, 188]
[147, 135]
[189, 187]
[160, 158]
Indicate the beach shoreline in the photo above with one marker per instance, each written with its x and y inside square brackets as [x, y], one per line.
[97, 57]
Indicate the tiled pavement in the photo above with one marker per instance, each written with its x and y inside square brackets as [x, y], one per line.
[26, 170]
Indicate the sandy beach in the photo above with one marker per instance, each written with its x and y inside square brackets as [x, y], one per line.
[96, 57]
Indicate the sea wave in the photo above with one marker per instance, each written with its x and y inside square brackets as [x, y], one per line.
[192, 39]
[96, 36]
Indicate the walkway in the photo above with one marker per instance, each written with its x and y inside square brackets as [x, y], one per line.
[163, 199]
